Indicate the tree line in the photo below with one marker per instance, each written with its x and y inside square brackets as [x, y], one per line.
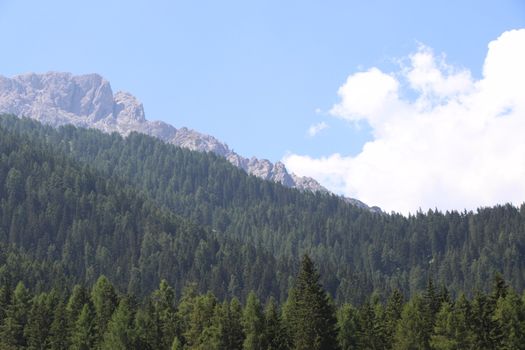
[103, 318]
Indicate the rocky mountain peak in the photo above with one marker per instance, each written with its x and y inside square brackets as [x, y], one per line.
[127, 108]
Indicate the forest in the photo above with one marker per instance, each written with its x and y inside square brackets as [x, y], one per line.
[130, 243]
[103, 318]
[77, 203]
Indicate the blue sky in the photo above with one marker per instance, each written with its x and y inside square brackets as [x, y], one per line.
[255, 74]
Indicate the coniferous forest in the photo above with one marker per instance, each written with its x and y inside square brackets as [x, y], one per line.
[102, 318]
[128, 242]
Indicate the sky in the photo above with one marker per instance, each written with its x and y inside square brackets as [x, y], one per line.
[406, 105]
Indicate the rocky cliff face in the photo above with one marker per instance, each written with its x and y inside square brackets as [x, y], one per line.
[88, 101]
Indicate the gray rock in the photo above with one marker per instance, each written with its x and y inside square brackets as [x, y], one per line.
[88, 101]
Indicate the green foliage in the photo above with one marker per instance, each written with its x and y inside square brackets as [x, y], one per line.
[84, 333]
[253, 323]
[59, 334]
[82, 208]
[310, 315]
[451, 331]
[16, 318]
[412, 328]
[120, 333]
[88, 203]
[349, 327]
[200, 321]
[510, 319]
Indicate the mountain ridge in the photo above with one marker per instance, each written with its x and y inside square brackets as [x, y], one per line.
[58, 98]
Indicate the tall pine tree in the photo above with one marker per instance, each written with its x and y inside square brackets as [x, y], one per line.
[309, 313]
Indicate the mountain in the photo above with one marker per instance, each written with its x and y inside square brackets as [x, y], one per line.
[252, 230]
[88, 101]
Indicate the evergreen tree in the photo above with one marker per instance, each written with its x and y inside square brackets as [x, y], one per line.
[12, 331]
[253, 324]
[349, 327]
[163, 300]
[393, 310]
[451, 332]
[83, 336]
[39, 321]
[201, 331]
[120, 332]
[275, 334]
[60, 330]
[78, 298]
[310, 315]
[148, 333]
[412, 328]
[484, 327]
[104, 299]
[510, 318]
[228, 322]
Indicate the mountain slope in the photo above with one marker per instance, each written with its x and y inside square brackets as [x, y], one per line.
[60, 220]
[358, 251]
[88, 101]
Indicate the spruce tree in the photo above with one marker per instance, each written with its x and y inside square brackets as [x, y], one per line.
[84, 334]
[148, 333]
[78, 298]
[105, 301]
[228, 322]
[484, 327]
[39, 321]
[12, 330]
[451, 331]
[253, 324]
[60, 330]
[411, 331]
[349, 329]
[163, 300]
[275, 334]
[120, 333]
[510, 317]
[310, 315]
[393, 310]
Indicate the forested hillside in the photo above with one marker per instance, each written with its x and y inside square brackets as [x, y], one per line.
[100, 317]
[61, 223]
[359, 252]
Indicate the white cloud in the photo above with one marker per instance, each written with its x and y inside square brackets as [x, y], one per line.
[316, 128]
[459, 144]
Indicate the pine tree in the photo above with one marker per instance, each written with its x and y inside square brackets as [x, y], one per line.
[120, 332]
[78, 298]
[451, 330]
[227, 321]
[393, 310]
[485, 329]
[201, 331]
[84, 335]
[163, 300]
[275, 334]
[253, 324]
[309, 313]
[105, 301]
[411, 332]
[348, 324]
[148, 333]
[12, 331]
[60, 330]
[39, 321]
[510, 317]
